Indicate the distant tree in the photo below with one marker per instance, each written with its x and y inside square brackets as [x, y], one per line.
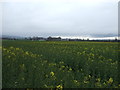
[87, 39]
[59, 37]
[115, 39]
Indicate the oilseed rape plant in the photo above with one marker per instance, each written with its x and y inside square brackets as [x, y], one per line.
[60, 64]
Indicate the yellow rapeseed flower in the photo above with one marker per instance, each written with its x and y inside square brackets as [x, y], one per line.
[4, 49]
[11, 47]
[110, 80]
[98, 79]
[26, 53]
[52, 73]
[70, 69]
[86, 82]
[89, 76]
[81, 69]
[17, 48]
[104, 83]
[59, 87]
[45, 85]
[62, 66]
[92, 49]
[61, 62]
[75, 81]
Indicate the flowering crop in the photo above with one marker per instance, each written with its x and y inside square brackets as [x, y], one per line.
[35, 64]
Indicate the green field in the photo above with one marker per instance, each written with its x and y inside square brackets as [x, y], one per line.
[45, 64]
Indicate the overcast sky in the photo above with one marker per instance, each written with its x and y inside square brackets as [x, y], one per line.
[60, 18]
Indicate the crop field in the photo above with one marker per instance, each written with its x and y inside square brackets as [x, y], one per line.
[60, 64]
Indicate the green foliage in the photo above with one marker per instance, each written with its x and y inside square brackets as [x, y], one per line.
[35, 64]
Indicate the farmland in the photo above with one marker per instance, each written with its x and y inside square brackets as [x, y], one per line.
[60, 64]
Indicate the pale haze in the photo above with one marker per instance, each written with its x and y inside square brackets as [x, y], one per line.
[60, 18]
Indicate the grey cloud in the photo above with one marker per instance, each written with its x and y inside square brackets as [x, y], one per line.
[59, 18]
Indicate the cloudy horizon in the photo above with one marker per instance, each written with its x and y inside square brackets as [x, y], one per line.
[60, 18]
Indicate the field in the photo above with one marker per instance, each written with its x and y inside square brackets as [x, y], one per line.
[45, 64]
